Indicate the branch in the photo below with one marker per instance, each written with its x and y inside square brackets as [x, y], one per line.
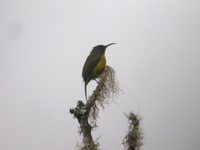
[133, 139]
[87, 113]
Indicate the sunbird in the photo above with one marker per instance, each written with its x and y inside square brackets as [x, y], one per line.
[94, 64]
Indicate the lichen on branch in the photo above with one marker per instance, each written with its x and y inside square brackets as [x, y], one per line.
[106, 89]
[134, 136]
[87, 113]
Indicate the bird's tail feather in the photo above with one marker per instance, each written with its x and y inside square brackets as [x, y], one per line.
[86, 91]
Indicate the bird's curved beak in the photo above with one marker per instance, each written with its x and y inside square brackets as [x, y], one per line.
[110, 44]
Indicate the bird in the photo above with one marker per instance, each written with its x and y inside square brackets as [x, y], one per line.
[94, 65]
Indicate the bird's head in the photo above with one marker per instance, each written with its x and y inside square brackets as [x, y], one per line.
[101, 48]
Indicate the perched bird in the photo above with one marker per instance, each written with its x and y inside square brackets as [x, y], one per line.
[94, 64]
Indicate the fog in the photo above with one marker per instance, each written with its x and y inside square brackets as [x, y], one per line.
[43, 46]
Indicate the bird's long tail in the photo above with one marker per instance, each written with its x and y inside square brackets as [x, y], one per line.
[86, 91]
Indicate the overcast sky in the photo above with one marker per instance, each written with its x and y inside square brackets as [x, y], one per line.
[43, 46]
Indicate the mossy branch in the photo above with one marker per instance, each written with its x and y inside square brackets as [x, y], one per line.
[133, 139]
[87, 113]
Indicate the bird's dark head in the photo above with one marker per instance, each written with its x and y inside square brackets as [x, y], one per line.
[101, 48]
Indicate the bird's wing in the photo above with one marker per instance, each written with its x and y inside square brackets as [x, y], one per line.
[90, 63]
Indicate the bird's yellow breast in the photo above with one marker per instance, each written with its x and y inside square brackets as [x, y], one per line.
[99, 67]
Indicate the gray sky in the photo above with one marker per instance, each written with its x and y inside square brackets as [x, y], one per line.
[43, 46]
